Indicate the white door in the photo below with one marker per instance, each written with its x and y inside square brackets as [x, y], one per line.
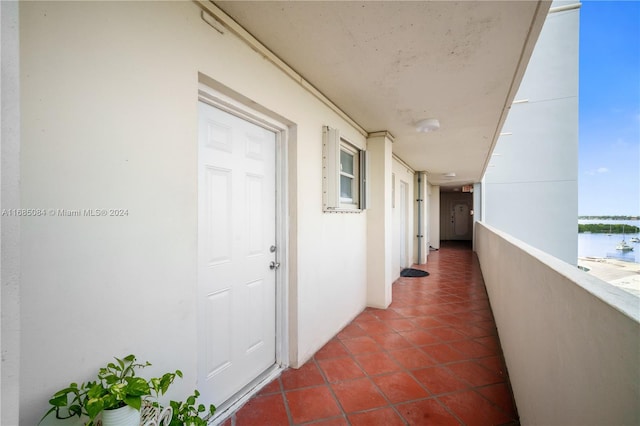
[460, 220]
[236, 232]
[403, 224]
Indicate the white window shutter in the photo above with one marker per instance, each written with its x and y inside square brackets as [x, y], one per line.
[364, 188]
[330, 168]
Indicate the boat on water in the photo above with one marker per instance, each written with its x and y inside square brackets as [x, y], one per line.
[623, 246]
[634, 240]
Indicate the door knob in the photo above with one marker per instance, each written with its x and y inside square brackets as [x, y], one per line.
[274, 265]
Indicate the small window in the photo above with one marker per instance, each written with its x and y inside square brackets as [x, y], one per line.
[349, 165]
[344, 171]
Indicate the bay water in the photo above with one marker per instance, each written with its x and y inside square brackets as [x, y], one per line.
[604, 245]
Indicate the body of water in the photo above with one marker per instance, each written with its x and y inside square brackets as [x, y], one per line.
[604, 245]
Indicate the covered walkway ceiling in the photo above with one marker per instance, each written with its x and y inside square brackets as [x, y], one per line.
[389, 64]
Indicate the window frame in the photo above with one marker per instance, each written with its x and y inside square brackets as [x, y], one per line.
[354, 201]
[332, 173]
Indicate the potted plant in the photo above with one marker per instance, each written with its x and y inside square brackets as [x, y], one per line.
[187, 413]
[117, 394]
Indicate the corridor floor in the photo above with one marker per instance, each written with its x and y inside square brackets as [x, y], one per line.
[432, 358]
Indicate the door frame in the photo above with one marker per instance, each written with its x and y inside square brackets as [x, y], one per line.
[403, 189]
[217, 99]
[448, 200]
[454, 204]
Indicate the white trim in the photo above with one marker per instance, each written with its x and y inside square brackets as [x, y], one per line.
[353, 202]
[226, 103]
[393, 190]
[401, 161]
[364, 185]
[332, 146]
[565, 8]
[382, 133]
[239, 109]
[224, 411]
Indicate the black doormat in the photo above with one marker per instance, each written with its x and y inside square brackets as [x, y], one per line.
[413, 273]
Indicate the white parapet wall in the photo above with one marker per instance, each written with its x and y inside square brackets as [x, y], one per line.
[571, 341]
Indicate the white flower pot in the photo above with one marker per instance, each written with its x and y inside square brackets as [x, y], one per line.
[123, 416]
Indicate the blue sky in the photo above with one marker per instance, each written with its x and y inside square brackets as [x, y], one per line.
[609, 125]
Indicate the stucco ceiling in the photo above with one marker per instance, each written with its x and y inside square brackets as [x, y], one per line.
[389, 64]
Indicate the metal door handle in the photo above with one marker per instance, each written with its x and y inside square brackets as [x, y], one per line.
[274, 265]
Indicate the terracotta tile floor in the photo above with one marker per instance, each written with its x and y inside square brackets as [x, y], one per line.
[432, 358]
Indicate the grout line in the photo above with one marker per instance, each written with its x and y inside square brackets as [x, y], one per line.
[328, 385]
[459, 304]
[287, 409]
[450, 411]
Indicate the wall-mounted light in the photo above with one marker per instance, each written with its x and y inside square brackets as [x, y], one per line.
[427, 125]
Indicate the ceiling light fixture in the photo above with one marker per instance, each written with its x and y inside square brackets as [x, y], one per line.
[427, 125]
[450, 175]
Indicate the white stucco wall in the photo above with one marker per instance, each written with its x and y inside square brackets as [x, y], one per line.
[531, 185]
[433, 193]
[379, 220]
[109, 120]
[571, 341]
[403, 174]
[10, 224]
[478, 206]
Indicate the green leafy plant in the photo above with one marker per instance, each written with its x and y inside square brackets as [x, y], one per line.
[117, 386]
[187, 413]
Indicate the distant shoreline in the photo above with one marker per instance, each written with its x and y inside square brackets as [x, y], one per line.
[602, 228]
[609, 217]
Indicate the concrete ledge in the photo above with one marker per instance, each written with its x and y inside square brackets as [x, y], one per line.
[624, 275]
[570, 340]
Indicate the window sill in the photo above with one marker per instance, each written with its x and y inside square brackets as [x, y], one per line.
[343, 210]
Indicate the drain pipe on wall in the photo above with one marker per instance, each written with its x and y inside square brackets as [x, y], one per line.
[420, 202]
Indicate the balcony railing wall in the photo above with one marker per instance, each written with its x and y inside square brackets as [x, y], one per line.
[571, 341]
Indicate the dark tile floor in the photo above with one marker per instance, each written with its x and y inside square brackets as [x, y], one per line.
[432, 358]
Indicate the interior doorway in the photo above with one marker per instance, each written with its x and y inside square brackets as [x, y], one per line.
[456, 216]
[404, 211]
